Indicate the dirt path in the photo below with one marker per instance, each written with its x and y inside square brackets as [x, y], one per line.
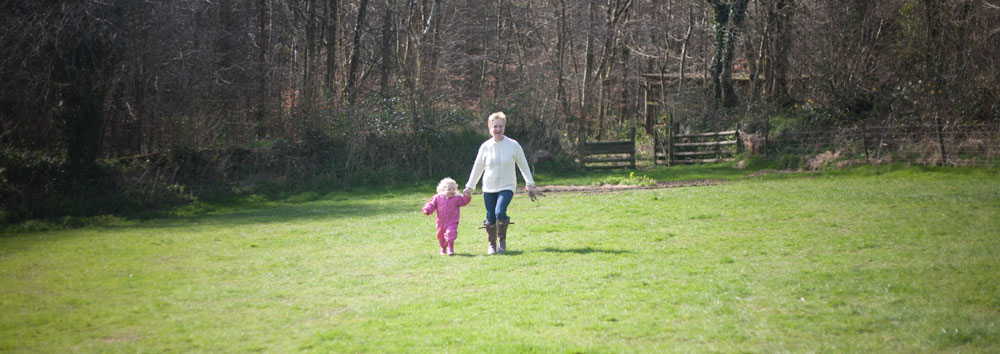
[606, 188]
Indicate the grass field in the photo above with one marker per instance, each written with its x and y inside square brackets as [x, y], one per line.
[868, 260]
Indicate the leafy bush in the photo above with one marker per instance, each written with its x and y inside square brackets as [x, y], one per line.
[631, 180]
[791, 162]
[38, 185]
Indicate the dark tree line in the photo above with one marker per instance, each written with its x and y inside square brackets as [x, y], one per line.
[114, 78]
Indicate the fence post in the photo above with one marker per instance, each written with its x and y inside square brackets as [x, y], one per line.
[647, 122]
[670, 140]
[656, 143]
[767, 132]
[940, 134]
[864, 140]
[739, 142]
[632, 138]
[718, 148]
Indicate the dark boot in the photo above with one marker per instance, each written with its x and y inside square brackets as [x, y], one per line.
[502, 235]
[491, 233]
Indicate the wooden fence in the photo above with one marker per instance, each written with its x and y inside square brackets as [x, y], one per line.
[609, 154]
[670, 149]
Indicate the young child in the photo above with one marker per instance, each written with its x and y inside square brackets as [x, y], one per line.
[446, 203]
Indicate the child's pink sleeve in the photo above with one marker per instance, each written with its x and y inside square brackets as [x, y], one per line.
[430, 207]
[465, 201]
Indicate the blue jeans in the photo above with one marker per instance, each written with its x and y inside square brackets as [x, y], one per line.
[496, 205]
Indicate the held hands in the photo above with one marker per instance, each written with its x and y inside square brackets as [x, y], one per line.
[534, 194]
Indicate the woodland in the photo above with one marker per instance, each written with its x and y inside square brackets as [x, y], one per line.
[121, 104]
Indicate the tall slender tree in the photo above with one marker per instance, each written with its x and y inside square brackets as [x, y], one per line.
[729, 17]
[351, 89]
[332, 21]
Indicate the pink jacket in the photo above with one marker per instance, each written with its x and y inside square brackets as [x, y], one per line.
[447, 208]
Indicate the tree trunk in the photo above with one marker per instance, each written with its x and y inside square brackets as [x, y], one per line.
[682, 71]
[562, 97]
[618, 10]
[779, 59]
[625, 113]
[759, 60]
[406, 64]
[263, 42]
[387, 34]
[83, 116]
[139, 114]
[485, 62]
[738, 17]
[82, 73]
[604, 69]
[560, 14]
[721, 20]
[932, 57]
[331, 47]
[585, 103]
[356, 54]
[433, 24]
[932, 76]
[309, 51]
[729, 18]
[501, 54]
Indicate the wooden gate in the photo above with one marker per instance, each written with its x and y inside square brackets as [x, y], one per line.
[710, 147]
[609, 154]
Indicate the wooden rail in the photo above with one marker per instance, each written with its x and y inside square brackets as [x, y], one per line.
[608, 154]
[670, 149]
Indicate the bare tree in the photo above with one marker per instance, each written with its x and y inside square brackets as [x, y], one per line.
[729, 17]
[769, 59]
[332, 20]
[351, 90]
[85, 55]
[385, 58]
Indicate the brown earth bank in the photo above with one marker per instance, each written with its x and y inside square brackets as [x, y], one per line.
[606, 188]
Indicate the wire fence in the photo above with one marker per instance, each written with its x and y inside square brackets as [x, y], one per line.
[326, 168]
[946, 145]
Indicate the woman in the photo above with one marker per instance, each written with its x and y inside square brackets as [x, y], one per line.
[495, 164]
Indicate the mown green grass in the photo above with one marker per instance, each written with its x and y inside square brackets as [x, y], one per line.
[884, 260]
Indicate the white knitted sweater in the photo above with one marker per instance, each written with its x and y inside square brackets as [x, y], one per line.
[495, 165]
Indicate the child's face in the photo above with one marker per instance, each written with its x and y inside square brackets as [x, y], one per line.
[451, 190]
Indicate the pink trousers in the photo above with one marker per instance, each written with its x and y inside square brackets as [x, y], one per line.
[447, 235]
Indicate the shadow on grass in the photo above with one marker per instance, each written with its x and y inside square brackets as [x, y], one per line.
[248, 215]
[585, 250]
[509, 253]
[473, 255]
[283, 213]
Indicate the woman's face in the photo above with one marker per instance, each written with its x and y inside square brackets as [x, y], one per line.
[496, 128]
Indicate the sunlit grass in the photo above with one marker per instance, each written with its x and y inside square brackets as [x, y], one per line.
[894, 260]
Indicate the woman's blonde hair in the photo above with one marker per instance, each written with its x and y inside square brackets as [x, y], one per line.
[447, 181]
[495, 116]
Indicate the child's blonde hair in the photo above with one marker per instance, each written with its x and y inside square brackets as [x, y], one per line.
[447, 181]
